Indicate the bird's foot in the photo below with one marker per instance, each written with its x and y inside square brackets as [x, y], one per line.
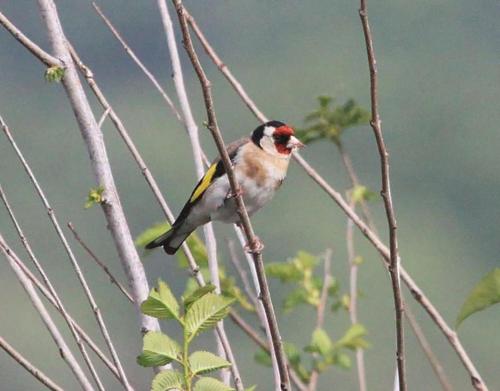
[255, 246]
[237, 193]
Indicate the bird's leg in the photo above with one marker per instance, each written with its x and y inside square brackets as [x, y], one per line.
[255, 246]
[237, 193]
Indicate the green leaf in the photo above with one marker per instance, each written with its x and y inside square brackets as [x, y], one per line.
[205, 313]
[483, 295]
[54, 73]
[202, 362]
[95, 196]
[263, 358]
[161, 303]
[211, 384]
[321, 342]
[198, 294]
[167, 380]
[343, 361]
[362, 193]
[251, 388]
[231, 290]
[286, 272]
[158, 350]
[198, 250]
[353, 338]
[292, 352]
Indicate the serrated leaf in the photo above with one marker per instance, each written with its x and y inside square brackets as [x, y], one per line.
[353, 338]
[483, 295]
[198, 294]
[167, 380]
[321, 342]
[158, 349]
[263, 358]
[202, 362]
[211, 384]
[205, 313]
[161, 303]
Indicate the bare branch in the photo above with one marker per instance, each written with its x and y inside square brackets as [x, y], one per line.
[139, 63]
[353, 292]
[320, 311]
[36, 50]
[74, 262]
[369, 233]
[93, 138]
[254, 244]
[37, 373]
[34, 259]
[99, 263]
[394, 267]
[79, 329]
[64, 351]
[426, 347]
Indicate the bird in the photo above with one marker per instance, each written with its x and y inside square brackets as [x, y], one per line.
[260, 163]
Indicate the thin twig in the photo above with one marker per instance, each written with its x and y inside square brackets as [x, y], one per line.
[76, 266]
[101, 264]
[353, 295]
[64, 351]
[26, 364]
[426, 347]
[365, 229]
[93, 138]
[320, 311]
[45, 57]
[394, 267]
[235, 260]
[254, 245]
[194, 138]
[85, 337]
[103, 117]
[139, 63]
[34, 259]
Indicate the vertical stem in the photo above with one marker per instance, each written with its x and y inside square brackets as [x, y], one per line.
[93, 138]
[386, 196]
[254, 244]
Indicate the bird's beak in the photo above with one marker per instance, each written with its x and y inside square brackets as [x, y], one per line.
[294, 143]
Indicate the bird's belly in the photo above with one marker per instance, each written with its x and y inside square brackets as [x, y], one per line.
[255, 196]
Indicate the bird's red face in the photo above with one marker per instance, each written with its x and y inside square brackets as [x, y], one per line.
[285, 141]
[276, 138]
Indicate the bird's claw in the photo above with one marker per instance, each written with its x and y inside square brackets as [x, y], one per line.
[237, 193]
[255, 246]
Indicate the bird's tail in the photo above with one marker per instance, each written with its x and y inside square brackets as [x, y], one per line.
[170, 240]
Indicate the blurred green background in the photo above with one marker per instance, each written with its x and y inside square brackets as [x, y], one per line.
[439, 92]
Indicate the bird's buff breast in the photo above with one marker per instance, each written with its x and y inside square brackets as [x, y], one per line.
[259, 176]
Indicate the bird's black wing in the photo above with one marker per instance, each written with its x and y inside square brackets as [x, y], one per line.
[216, 170]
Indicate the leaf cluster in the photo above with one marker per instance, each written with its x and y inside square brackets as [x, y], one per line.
[329, 121]
[198, 312]
[229, 288]
[95, 196]
[54, 74]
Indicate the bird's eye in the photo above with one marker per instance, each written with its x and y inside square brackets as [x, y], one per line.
[281, 138]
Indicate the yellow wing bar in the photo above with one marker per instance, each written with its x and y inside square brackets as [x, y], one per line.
[204, 183]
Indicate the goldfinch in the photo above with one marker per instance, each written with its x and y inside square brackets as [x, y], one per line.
[260, 163]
